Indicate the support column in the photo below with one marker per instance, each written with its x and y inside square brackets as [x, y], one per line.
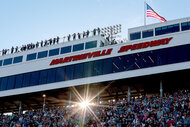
[161, 89]
[129, 93]
[20, 108]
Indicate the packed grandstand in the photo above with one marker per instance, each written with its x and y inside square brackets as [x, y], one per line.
[173, 110]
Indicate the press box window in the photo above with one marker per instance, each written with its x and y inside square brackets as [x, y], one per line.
[31, 57]
[7, 61]
[78, 47]
[167, 29]
[147, 33]
[18, 59]
[135, 36]
[66, 49]
[91, 44]
[1, 62]
[42, 54]
[185, 26]
[54, 52]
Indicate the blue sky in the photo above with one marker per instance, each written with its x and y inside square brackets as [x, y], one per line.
[26, 21]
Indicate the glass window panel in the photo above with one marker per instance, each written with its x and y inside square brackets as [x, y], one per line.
[91, 44]
[172, 55]
[7, 61]
[69, 70]
[78, 47]
[51, 75]
[26, 80]
[19, 81]
[31, 57]
[141, 61]
[1, 62]
[88, 69]
[183, 53]
[129, 62]
[43, 77]
[4, 83]
[107, 66]
[148, 33]
[42, 54]
[185, 26]
[135, 36]
[11, 82]
[34, 78]
[60, 74]
[18, 59]
[158, 31]
[118, 64]
[54, 52]
[78, 71]
[98, 67]
[0, 84]
[175, 28]
[65, 49]
[161, 57]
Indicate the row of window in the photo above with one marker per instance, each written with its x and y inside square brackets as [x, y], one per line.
[52, 52]
[99, 67]
[8, 61]
[67, 49]
[160, 31]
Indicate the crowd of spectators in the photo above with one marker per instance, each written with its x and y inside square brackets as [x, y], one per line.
[51, 41]
[173, 110]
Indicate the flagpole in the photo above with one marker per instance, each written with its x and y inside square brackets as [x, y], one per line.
[145, 12]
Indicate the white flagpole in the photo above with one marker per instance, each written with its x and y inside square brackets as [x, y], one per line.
[145, 12]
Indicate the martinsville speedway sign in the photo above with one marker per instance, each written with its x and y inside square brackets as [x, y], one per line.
[109, 51]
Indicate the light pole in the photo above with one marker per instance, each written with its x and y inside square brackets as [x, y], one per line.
[44, 104]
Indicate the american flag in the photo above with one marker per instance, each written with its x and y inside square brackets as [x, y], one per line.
[151, 13]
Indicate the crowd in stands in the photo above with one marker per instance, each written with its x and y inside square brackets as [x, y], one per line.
[173, 110]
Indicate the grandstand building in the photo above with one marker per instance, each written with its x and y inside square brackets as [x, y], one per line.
[155, 59]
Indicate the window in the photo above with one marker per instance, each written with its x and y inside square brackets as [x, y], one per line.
[42, 54]
[65, 49]
[118, 64]
[1, 62]
[147, 33]
[88, 69]
[91, 44]
[167, 29]
[107, 66]
[7, 61]
[69, 72]
[4, 83]
[18, 59]
[54, 52]
[185, 26]
[51, 76]
[11, 82]
[34, 80]
[78, 71]
[98, 67]
[31, 57]
[19, 81]
[78, 47]
[43, 77]
[60, 74]
[129, 62]
[135, 36]
[26, 80]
